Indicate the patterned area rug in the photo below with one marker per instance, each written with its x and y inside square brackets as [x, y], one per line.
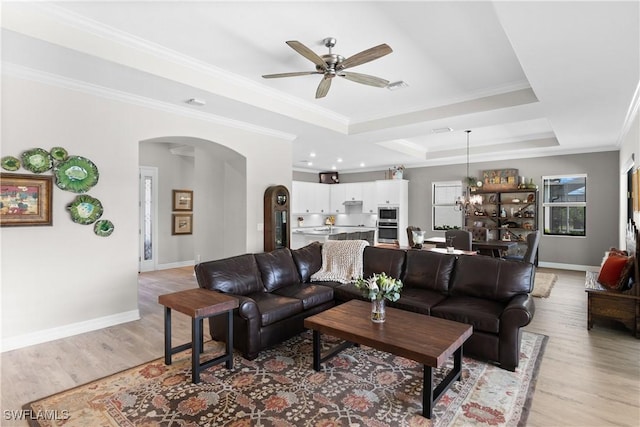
[542, 284]
[358, 387]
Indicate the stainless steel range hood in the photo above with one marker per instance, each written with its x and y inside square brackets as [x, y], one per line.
[352, 202]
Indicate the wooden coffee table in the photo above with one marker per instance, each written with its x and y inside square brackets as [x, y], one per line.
[424, 339]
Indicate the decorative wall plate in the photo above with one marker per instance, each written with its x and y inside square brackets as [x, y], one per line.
[76, 174]
[85, 209]
[37, 160]
[10, 163]
[59, 154]
[103, 228]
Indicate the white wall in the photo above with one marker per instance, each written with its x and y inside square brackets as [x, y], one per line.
[64, 279]
[629, 156]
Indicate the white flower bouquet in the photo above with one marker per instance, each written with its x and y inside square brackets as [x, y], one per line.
[380, 286]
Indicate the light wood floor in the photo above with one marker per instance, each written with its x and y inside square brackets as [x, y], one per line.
[587, 378]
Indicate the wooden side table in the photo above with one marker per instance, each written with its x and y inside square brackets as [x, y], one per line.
[199, 304]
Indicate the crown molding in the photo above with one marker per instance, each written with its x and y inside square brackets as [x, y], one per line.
[51, 79]
[55, 24]
[632, 113]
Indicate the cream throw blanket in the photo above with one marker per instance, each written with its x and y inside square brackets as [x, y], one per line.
[341, 261]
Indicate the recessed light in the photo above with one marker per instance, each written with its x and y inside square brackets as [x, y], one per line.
[196, 101]
[312, 154]
[361, 165]
[441, 130]
[333, 167]
[309, 163]
[339, 159]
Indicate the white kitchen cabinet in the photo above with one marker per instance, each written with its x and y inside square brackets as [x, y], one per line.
[392, 191]
[369, 201]
[338, 195]
[353, 191]
[309, 197]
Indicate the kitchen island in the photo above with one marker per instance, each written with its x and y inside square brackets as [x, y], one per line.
[303, 236]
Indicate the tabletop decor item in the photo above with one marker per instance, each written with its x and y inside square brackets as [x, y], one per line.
[10, 163]
[377, 288]
[59, 154]
[37, 160]
[85, 209]
[76, 174]
[103, 228]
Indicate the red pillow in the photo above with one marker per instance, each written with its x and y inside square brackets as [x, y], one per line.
[615, 271]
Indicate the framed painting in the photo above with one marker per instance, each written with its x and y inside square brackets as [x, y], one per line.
[182, 224]
[25, 200]
[182, 200]
[500, 179]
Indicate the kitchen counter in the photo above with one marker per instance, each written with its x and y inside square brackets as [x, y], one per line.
[303, 236]
[329, 231]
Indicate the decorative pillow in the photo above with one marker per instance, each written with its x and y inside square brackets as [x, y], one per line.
[616, 270]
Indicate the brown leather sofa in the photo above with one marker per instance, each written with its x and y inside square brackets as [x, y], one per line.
[276, 294]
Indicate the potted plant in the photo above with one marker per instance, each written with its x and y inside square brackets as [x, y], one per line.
[377, 288]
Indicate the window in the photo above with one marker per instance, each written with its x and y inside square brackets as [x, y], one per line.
[565, 204]
[445, 215]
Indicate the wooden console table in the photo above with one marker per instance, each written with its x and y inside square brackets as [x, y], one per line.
[199, 304]
[603, 303]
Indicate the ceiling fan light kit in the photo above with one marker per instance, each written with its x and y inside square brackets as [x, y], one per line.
[331, 65]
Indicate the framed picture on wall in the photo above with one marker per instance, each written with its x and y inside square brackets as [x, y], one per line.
[25, 200]
[182, 200]
[182, 224]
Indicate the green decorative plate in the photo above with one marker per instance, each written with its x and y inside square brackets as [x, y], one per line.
[103, 228]
[85, 209]
[59, 154]
[37, 160]
[10, 163]
[76, 174]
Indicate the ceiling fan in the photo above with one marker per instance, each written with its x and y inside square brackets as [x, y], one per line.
[331, 65]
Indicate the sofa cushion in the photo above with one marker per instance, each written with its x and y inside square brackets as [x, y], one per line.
[383, 260]
[308, 260]
[274, 308]
[236, 275]
[417, 300]
[482, 314]
[428, 270]
[311, 295]
[491, 278]
[277, 269]
[616, 270]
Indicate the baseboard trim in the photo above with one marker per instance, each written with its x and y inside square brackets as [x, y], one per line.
[560, 266]
[179, 264]
[26, 340]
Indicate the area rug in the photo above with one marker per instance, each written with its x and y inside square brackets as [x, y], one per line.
[543, 283]
[359, 387]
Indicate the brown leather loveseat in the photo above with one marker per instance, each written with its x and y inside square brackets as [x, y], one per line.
[276, 294]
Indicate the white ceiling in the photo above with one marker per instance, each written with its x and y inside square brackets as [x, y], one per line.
[528, 78]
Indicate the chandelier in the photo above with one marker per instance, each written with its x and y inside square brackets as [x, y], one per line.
[464, 202]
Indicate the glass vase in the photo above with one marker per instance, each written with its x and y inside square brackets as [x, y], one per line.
[378, 314]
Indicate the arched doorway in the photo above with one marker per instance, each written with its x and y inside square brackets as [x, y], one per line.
[217, 177]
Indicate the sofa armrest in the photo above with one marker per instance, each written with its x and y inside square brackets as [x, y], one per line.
[519, 311]
[247, 307]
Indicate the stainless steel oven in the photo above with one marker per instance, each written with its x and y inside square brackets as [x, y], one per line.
[386, 214]
[387, 232]
[388, 224]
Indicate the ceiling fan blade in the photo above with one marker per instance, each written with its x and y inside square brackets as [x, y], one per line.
[294, 74]
[365, 79]
[366, 56]
[323, 87]
[307, 53]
